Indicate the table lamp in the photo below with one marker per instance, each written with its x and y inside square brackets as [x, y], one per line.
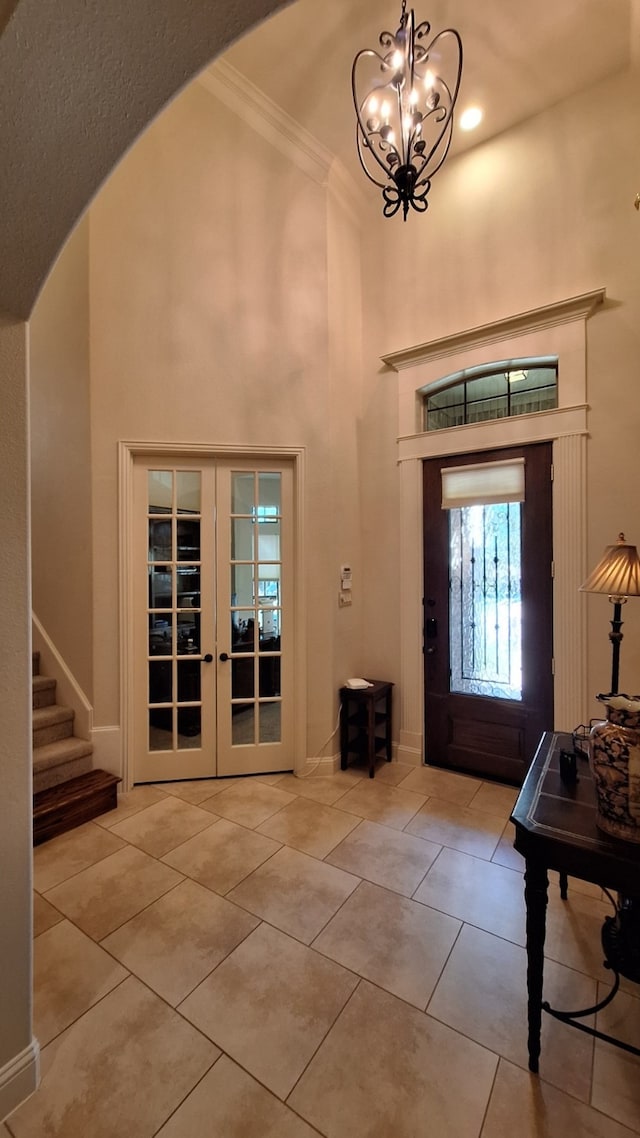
[618, 575]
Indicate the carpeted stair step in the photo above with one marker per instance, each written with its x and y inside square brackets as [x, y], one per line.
[71, 803]
[51, 724]
[43, 691]
[64, 759]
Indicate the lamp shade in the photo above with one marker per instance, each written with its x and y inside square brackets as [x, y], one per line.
[618, 572]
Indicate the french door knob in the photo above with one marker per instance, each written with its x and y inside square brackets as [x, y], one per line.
[207, 659]
[224, 656]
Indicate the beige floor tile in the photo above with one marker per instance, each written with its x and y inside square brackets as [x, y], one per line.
[381, 803]
[386, 857]
[483, 994]
[70, 974]
[398, 944]
[480, 892]
[230, 1104]
[129, 803]
[310, 826]
[386, 1069]
[393, 773]
[119, 1070]
[271, 779]
[525, 1105]
[70, 853]
[616, 1073]
[460, 827]
[573, 932]
[222, 856]
[295, 892]
[249, 802]
[495, 799]
[103, 897]
[196, 786]
[195, 791]
[44, 915]
[179, 939]
[320, 788]
[438, 783]
[505, 854]
[159, 828]
[587, 888]
[269, 1005]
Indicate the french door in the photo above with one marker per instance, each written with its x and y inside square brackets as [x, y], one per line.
[488, 636]
[213, 614]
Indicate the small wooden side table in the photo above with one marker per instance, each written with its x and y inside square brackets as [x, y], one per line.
[365, 723]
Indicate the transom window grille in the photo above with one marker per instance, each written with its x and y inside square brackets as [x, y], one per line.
[501, 391]
[485, 624]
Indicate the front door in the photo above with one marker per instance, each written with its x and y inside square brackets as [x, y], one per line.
[213, 666]
[488, 638]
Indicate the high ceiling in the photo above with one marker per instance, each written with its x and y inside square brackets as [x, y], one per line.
[519, 57]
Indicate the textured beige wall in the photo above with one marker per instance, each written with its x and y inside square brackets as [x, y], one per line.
[210, 323]
[61, 527]
[542, 213]
[15, 699]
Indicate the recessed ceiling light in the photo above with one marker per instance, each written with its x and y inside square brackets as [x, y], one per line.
[470, 118]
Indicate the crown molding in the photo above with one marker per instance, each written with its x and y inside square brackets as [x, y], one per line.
[256, 109]
[548, 315]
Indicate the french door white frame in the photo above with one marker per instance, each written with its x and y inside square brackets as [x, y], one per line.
[557, 329]
[128, 452]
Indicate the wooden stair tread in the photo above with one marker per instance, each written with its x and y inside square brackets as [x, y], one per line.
[71, 803]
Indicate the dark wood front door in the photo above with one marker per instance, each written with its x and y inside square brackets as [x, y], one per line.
[488, 627]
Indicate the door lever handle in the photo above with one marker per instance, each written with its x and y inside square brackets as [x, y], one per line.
[207, 659]
[224, 656]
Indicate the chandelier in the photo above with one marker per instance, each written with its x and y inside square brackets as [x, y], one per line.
[404, 95]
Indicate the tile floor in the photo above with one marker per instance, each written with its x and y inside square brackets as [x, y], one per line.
[281, 958]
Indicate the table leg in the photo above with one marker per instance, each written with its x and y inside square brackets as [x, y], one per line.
[371, 719]
[344, 733]
[535, 895]
[388, 725]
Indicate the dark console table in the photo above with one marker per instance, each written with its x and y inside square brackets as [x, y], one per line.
[365, 722]
[555, 826]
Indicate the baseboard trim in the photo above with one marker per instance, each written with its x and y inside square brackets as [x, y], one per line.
[327, 765]
[19, 1078]
[107, 750]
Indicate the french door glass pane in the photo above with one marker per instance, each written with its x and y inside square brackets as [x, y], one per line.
[160, 729]
[242, 493]
[485, 632]
[188, 541]
[243, 724]
[242, 539]
[160, 489]
[242, 585]
[188, 491]
[270, 717]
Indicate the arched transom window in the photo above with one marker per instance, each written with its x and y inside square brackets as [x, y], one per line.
[496, 391]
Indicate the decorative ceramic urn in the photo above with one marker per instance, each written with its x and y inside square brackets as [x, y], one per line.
[614, 747]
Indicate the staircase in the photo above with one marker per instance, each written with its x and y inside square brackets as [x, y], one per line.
[66, 789]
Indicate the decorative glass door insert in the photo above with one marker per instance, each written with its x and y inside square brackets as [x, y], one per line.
[485, 610]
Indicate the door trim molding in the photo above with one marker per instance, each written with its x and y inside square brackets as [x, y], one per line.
[128, 452]
[558, 329]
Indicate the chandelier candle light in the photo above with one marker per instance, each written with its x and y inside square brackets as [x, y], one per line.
[404, 96]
